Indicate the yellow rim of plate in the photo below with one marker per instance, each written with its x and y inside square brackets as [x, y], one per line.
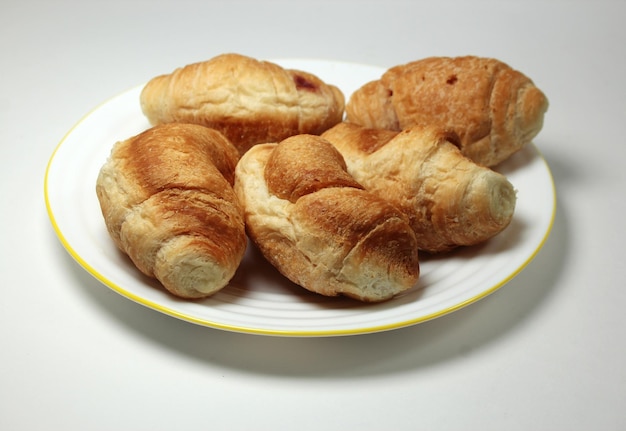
[279, 332]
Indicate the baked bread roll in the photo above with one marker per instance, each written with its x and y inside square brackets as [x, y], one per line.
[450, 201]
[494, 109]
[319, 227]
[248, 100]
[168, 203]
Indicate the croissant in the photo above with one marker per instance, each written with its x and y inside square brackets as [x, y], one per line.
[319, 227]
[494, 109]
[450, 200]
[167, 200]
[248, 100]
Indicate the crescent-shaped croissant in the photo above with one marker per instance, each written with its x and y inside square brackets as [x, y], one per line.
[450, 200]
[248, 100]
[493, 109]
[168, 203]
[319, 227]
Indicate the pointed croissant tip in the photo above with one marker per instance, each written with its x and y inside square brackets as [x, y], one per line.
[499, 198]
[533, 105]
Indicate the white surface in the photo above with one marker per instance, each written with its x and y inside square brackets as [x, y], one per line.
[259, 300]
[545, 352]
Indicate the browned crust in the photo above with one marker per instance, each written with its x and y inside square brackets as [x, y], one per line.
[248, 100]
[167, 200]
[301, 165]
[494, 109]
[319, 227]
[450, 201]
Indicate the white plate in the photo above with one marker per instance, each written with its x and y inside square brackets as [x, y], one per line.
[259, 300]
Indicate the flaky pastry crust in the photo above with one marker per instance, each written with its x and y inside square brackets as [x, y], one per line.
[248, 100]
[168, 203]
[450, 200]
[319, 227]
[493, 109]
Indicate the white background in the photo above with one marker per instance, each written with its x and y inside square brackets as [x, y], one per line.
[545, 352]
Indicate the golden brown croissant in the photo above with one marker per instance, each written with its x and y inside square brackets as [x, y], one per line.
[317, 225]
[494, 109]
[167, 200]
[248, 100]
[450, 200]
